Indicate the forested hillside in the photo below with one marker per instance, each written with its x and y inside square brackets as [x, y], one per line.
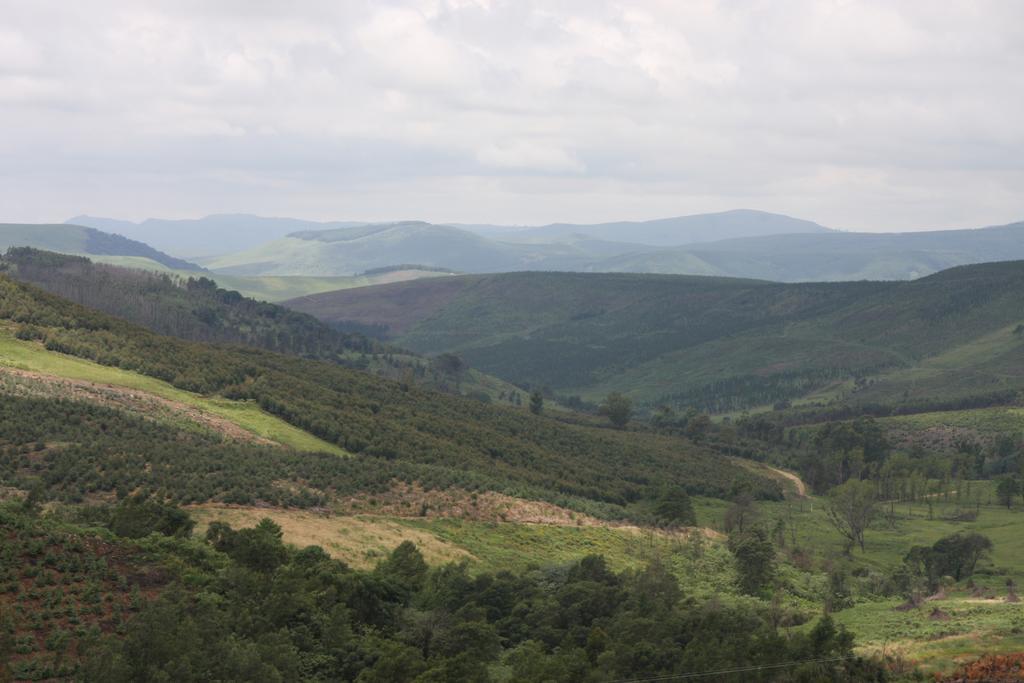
[120, 594]
[196, 309]
[458, 441]
[715, 344]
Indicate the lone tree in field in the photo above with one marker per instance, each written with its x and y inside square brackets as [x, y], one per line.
[850, 508]
[618, 409]
[1006, 490]
[536, 402]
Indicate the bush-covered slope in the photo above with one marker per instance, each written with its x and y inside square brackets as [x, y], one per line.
[94, 599]
[717, 344]
[468, 442]
[76, 239]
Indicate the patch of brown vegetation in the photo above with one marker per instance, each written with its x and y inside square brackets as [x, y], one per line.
[938, 615]
[27, 383]
[990, 668]
[412, 500]
[359, 541]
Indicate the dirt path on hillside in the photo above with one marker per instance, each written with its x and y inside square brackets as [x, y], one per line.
[801, 488]
[27, 383]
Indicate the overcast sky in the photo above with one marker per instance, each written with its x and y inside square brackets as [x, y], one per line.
[860, 115]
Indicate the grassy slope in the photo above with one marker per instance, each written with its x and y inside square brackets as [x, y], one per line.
[32, 356]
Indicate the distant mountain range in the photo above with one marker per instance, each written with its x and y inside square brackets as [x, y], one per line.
[224, 233]
[831, 256]
[741, 243]
[347, 251]
[77, 239]
[662, 232]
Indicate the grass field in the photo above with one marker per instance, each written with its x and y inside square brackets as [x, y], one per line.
[983, 421]
[32, 356]
[974, 627]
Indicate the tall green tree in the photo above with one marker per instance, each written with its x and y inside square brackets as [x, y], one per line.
[755, 559]
[850, 508]
[674, 508]
[536, 402]
[1006, 490]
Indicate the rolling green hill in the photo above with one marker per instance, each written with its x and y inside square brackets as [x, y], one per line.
[347, 251]
[712, 343]
[76, 239]
[746, 244]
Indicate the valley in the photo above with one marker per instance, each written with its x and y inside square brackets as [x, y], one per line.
[247, 419]
[465, 341]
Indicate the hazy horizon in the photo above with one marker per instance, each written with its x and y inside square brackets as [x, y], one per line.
[861, 116]
[514, 226]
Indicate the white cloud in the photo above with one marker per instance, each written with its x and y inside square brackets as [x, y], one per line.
[529, 155]
[866, 114]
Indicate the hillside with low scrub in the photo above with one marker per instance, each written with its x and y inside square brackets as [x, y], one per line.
[716, 344]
